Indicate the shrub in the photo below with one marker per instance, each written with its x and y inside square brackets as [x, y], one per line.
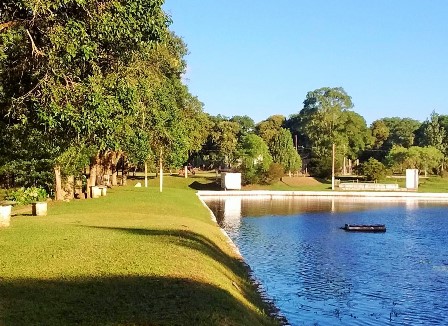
[275, 172]
[373, 170]
[28, 195]
[251, 174]
[321, 167]
[444, 174]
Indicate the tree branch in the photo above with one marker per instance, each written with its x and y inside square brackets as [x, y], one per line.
[36, 51]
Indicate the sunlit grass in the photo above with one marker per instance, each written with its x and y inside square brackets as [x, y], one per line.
[433, 184]
[134, 257]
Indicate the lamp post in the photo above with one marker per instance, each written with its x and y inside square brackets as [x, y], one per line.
[332, 168]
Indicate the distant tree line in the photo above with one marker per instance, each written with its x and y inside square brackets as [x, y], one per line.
[387, 145]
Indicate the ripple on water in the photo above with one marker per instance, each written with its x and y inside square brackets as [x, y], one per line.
[318, 274]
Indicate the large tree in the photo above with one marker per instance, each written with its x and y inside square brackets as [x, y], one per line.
[96, 75]
[283, 151]
[432, 133]
[401, 132]
[327, 119]
[323, 118]
[269, 128]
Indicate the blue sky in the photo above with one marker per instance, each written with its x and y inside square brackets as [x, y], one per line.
[260, 58]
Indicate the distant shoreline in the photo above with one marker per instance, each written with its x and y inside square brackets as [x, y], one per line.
[393, 195]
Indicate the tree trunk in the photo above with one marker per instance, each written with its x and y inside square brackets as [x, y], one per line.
[89, 193]
[114, 170]
[58, 193]
[124, 173]
[69, 187]
[94, 170]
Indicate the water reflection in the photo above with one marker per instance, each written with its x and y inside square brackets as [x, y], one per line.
[237, 206]
[318, 274]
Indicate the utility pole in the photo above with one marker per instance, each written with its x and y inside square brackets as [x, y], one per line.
[332, 168]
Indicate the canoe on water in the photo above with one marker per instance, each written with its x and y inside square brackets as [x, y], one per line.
[364, 228]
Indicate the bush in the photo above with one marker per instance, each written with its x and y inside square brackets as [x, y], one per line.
[373, 170]
[27, 195]
[251, 174]
[275, 172]
[321, 167]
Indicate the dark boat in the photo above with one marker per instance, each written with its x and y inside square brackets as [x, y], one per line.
[364, 228]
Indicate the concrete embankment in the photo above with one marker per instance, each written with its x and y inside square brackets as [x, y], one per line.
[393, 195]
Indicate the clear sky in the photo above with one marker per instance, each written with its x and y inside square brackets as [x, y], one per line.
[261, 57]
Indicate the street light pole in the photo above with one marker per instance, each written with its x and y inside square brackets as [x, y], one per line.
[332, 168]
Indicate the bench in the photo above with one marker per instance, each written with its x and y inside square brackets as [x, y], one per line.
[369, 186]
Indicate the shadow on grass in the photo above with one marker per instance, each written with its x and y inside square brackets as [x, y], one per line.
[188, 239]
[213, 185]
[137, 177]
[202, 244]
[127, 300]
[324, 181]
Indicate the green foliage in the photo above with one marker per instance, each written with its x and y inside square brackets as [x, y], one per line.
[432, 133]
[27, 195]
[327, 119]
[373, 170]
[99, 77]
[322, 118]
[401, 132]
[247, 124]
[222, 141]
[252, 174]
[275, 173]
[321, 167]
[283, 151]
[270, 127]
[254, 152]
[380, 132]
[422, 158]
[255, 159]
[25, 157]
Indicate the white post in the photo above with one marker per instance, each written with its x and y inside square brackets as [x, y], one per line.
[161, 171]
[146, 174]
[185, 171]
[332, 169]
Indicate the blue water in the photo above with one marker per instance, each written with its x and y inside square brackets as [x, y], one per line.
[318, 274]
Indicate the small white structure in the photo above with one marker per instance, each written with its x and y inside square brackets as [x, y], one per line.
[231, 181]
[95, 192]
[5, 215]
[103, 190]
[39, 208]
[412, 179]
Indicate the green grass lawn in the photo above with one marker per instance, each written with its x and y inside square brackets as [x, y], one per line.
[433, 184]
[134, 257]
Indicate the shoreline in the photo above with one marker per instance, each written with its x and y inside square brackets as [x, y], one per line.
[273, 310]
[394, 195]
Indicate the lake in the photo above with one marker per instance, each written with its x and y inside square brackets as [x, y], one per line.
[318, 274]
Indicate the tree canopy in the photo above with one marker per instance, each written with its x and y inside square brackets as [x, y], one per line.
[99, 75]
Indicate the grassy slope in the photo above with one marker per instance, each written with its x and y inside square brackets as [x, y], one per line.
[135, 257]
